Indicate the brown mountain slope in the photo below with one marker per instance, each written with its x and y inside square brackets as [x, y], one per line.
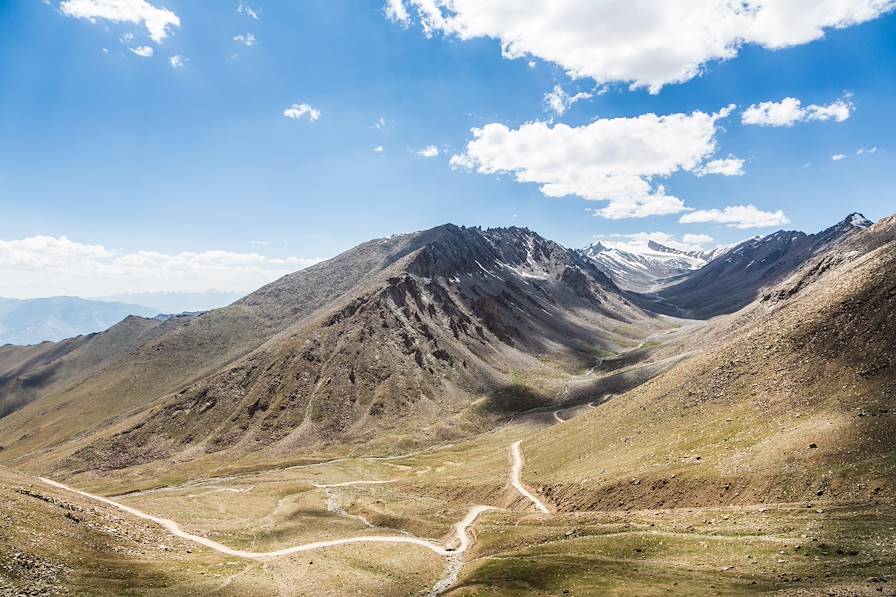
[435, 347]
[187, 353]
[797, 406]
[730, 282]
[27, 372]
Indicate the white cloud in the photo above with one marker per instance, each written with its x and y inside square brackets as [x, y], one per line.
[247, 39]
[396, 11]
[838, 156]
[649, 43]
[380, 123]
[297, 111]
[156, 20]
[615, 160]
[697, 239]
[790, 110]
[730, 166]
[50, 266]
[176, 61]
[143, 51]
[430, 151]
[736, 216]
[866, 150]
[379, 149]
[558, 101]
[247, 10]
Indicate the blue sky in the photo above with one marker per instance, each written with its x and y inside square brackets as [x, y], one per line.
[148, 162]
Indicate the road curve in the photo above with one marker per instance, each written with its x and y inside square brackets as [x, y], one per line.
[558, 417]
[172, 527]
[516, 470]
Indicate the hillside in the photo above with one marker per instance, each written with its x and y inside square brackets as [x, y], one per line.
[29, 372]
[447, 325]
[189, 352]
[32, 321]
[794, 406]
[416, 325]
[735, 279]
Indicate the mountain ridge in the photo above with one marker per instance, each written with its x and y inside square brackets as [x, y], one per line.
[729, 283]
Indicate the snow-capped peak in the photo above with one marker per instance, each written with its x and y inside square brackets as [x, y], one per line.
[857, 220]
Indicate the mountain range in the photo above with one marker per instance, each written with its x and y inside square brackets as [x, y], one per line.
[31, 321]
[644, 267]
[725, 413]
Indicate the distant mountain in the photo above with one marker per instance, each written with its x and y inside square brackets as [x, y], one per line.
[177, 302]
[28, 372]
[731, 282]
[644, 268]
[32, 321]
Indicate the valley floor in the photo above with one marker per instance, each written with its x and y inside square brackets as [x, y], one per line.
[454, 519]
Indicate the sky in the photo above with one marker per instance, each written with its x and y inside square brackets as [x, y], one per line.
[185, 145]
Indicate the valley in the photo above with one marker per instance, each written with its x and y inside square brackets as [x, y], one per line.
[463, 411]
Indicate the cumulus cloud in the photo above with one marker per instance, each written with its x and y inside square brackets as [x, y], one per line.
[736, 216]
[615, 160]
[697, 239]
[156, 20]
[247, 39]
[790, 110]
[647, 43]
[866, 150]
[247, 10]
[430, 151]
[379, 149]
[298, 111]
[730, 166]
[176, 61]
[143, 51]
[396, 11]
[558, 101]
[49, 266]
[838, 156]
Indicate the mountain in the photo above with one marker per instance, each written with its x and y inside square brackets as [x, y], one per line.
[794, 404]
[408, 329]
[731, 282]
[177, 302]
[551, 435]
[28, 372]
[31, 321]
[644, 267]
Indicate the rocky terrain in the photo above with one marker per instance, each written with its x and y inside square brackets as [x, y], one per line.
[464, 411]
[731, 282]
[419, 342]
[793, 404]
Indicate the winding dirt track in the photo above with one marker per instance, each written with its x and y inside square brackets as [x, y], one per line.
[516, 470]
[460, 528]
[454, 553]
[174, 529]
